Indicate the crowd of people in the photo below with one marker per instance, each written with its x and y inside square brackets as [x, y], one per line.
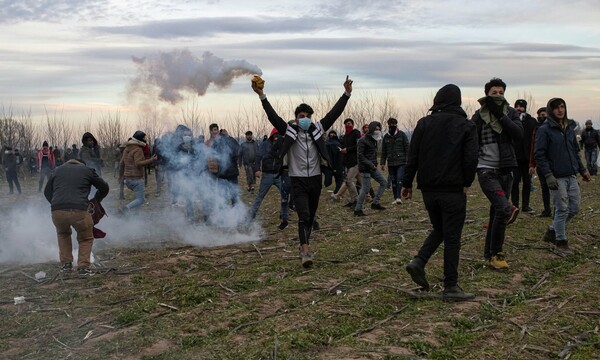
[501, 145]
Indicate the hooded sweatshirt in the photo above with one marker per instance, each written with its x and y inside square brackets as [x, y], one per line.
[556, 149]
[443, 148]
[91, 155]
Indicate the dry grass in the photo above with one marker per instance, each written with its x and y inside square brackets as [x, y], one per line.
[236, 302]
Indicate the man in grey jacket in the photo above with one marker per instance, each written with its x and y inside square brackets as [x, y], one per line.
[67, 192]
[248, 158]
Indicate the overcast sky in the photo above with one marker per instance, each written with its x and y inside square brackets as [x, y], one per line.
[77, 54]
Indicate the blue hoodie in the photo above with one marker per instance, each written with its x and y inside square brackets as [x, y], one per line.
[556, 150]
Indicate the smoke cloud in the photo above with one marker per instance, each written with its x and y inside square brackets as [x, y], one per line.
[170, 73]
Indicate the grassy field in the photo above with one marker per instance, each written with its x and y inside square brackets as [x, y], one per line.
[255, 301]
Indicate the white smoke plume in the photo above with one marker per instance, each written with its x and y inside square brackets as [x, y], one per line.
[179, 70]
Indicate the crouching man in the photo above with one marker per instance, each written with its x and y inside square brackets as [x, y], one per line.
[67, 191]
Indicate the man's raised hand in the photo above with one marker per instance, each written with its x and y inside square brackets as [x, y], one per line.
[348, 85]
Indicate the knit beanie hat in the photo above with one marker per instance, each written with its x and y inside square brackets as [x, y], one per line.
[521, 102]
[45, 144]
[139, 135]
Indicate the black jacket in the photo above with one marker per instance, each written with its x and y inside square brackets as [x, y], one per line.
[367, 154]
[443, 150]
[512, 131]
[590, 139]
[523, 146]
[70, 184]
[394, 148]
[268, 156]
[349, 142]
[333, 148]
[228, 150]
[10, 163]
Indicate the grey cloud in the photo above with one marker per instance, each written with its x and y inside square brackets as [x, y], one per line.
[50, 11]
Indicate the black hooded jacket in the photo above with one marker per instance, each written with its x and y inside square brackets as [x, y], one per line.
[91, 155]
[443, 149]
[367, 150]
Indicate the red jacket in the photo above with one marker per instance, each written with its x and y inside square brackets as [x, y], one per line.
[40, 155]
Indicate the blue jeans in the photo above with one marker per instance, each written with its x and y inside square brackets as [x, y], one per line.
[366, 186]
[591, 156]
[267, 180]
[396, 173]
[137, 186]
[496, 185]
[566, 205]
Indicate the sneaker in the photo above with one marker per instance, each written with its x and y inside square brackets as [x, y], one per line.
[124, 210]
[283, 225]
[334, 197]
[351, 204]
[455, 293]
[359, 213]
[85, 272]
[397, 201]
[66, 267]
[487, 263]
[513, 215]
[528, 210]
[563, 249]
[545, 213]
[416, 269]
[498, 262]
[377, 207]
[307, 260]
[550, 236]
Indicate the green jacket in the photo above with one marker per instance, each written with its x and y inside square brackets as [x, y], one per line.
[394, 149]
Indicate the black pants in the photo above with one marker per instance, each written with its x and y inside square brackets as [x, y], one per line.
[306, 192]
[12, 178]
[545, 192]
[447, 212]
[521, 174]
[496, 184]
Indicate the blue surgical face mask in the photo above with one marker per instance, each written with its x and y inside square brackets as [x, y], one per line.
[304, 123]
[187, 139]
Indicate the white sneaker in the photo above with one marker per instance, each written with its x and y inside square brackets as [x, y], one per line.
[398, 201]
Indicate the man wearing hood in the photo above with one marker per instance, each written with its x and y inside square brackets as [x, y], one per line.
[10, 168]
[394, 151]
[522, 151]
[304, 144]
[367, 166]
[590, 139]
[336, 172]
[90, 153]
[498, 128]
[557, 156]
[547, 212]
[132, 168]
[67, 192]
[45, 164]
[448, 139]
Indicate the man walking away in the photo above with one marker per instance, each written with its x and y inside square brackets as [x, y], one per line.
[394, 151]
[557, 155]
[67, 191]
[367, 165]
[547, 212]
[443, 186]
[590, 139]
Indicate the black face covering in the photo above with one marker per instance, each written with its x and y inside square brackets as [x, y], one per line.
[392, 129]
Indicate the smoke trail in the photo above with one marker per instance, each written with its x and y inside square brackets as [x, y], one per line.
[172, 72]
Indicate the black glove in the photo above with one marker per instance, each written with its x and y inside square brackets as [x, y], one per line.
[494, 108]
[551, 181]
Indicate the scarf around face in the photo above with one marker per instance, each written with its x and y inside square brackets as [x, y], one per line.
[488, 117]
